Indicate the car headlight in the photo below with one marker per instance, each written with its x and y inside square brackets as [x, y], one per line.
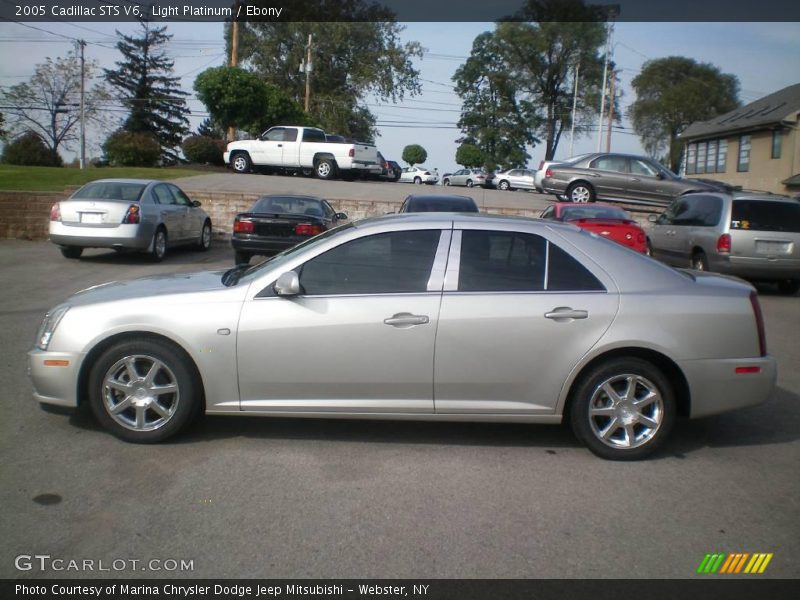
[48, 326]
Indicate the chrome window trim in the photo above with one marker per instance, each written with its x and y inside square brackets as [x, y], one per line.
[437, 276]
[453, 263]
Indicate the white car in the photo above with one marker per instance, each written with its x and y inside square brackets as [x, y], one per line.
[418, 175]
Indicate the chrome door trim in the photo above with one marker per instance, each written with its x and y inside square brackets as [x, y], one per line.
[453, 263]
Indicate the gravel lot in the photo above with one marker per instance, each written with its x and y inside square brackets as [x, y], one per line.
[293, 498]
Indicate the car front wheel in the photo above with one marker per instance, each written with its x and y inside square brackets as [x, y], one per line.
[623, 409]
[241, 163]
[503, 185]
[417, 181]
[143, 390]
[204, 243]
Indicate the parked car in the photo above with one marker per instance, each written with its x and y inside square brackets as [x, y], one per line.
[636, 179]
[602, 219]
[278, 222]
[467, 177]
[529, 321]
[128, 214]
[300, 149]
[418, 175]
[538, 176]
[514, 179]
[752, 235]
[389, 169]
[438, 203]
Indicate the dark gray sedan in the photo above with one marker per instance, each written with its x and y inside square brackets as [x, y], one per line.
[636, 179]
[128, 214]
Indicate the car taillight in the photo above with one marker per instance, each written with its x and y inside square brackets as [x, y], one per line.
[548, 173]
[132, 217]
[352, 152]
[762, 336]
[243, 226]
[55, 212]
[724, 243]
[427, 173]
[307, 229]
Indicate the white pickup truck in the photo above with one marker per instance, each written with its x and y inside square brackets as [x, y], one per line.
[303, 149]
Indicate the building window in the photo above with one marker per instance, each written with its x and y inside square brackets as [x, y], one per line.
[776, 143]
[691, 159]
[744, 154]
[722, 155]
[711, 157]
[701, 158]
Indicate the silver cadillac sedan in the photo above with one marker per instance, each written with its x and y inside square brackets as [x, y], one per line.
[430, 316]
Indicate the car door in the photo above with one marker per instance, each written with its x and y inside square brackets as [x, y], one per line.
[608, 175]
[171, 213]
[518, 313]
[359, 338]
[667, 237]
[647, 183]
[193, 217]
[269, 148]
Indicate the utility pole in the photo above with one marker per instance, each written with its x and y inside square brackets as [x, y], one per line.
[574, 106]
[611, 93]
[612, 11]
[234, 52]
[82, 45]
[307, 68]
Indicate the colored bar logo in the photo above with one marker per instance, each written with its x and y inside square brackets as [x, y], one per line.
[734, 563]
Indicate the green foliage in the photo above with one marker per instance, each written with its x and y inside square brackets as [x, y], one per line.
[209, 128]
[414, 154]
[356, 52]
[671, 94]
[203, 150]
[146, 86]
[128, 149]
[29, 149]
[13, 177]
[3, 132]
[469, 156]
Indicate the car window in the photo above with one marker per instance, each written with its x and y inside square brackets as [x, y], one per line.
[328, 209]
[313, 135]
[610, 163]
[501, 261]
[180, 198]
[565, 274]
[290, 134]
[549, 213]
[514, 172]
[387, 263]
[639, 167]
[763, 215]
[674, 210]
[295, 205]
[274, 135]
[163, 195]
[571, 213]
[110, 190]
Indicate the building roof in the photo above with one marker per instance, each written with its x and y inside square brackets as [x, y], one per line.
[769, 110]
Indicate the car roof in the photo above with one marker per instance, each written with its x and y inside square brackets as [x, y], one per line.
[456, 197]
[124, 180]
[288, 197]
[745, 195]
[443, 219]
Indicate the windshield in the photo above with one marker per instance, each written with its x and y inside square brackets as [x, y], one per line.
[245, 273]
[110, 190]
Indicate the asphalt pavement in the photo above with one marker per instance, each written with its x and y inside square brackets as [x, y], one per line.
[328, 498]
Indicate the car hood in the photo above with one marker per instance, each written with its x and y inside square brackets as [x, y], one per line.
[154, 285]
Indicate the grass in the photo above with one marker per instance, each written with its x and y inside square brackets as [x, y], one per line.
[55, 179]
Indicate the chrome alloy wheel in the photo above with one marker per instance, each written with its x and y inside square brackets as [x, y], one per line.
[140, 393]
[626, 411]
[580, 193]
[324, 169]
[240, 163]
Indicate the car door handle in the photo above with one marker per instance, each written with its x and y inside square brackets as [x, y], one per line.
[406, 320]
[280, 145]
[562, 314]
[635, 179]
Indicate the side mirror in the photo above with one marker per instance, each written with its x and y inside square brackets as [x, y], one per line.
[196, 203]
[652, 218]
[288, 284]
[341, 216]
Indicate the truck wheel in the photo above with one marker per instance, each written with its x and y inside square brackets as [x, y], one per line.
[325, 168]
[241, 163]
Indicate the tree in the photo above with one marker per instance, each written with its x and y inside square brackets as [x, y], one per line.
[145, 85]
[128, 149]
[208, 128]
[238, 98]
[3, 132]
[469, 156]
[356, 52]
[671, 94]
[30, 150]
[414, 154]
[49, 104]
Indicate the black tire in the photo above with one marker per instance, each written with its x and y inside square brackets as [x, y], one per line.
[204, 243]
[504, 185]
[71, 251]
[608, 436]
[325, 168]
[307, 172]
[417, 180]
[470, 183]
[699, 261]
[446, 182]
[241, 258]
[581, 192]
[159, 246]
[649, 251]
[241, 163]
[789, 286]
[130, 363]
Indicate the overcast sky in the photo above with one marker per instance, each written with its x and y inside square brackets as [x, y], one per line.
[764, 56]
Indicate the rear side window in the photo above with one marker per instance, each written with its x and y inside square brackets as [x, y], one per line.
[565, 274]
[763, 215]
[313, 135]
[700, 211]
[610, 163]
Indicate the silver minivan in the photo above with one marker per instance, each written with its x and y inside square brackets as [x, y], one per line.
[752, 235]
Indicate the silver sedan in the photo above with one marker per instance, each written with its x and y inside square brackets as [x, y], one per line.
[529, 321]
[128, 214]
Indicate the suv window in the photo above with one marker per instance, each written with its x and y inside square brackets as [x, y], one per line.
[387, 263]
[763, 215]
[700, 211]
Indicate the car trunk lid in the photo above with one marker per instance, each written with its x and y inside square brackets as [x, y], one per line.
[97, 213]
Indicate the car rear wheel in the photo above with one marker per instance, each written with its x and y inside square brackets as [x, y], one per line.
[699, 261]
[241, 258]
[241, 163]
[417, 181]
[71, 251]
[325, 168]
[204, 243]
[470, 183]
[623, 409]
[503, 185]
[143, 390]
[159, 246]
[446, 182]
[580, 192]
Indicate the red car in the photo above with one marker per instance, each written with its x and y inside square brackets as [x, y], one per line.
[602, 219]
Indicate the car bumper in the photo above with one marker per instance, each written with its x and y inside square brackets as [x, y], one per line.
[226, 157]
[716, 388]
[137, 237]
[54, 376]
[266, 246]
[550, 186]
[756, 268]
